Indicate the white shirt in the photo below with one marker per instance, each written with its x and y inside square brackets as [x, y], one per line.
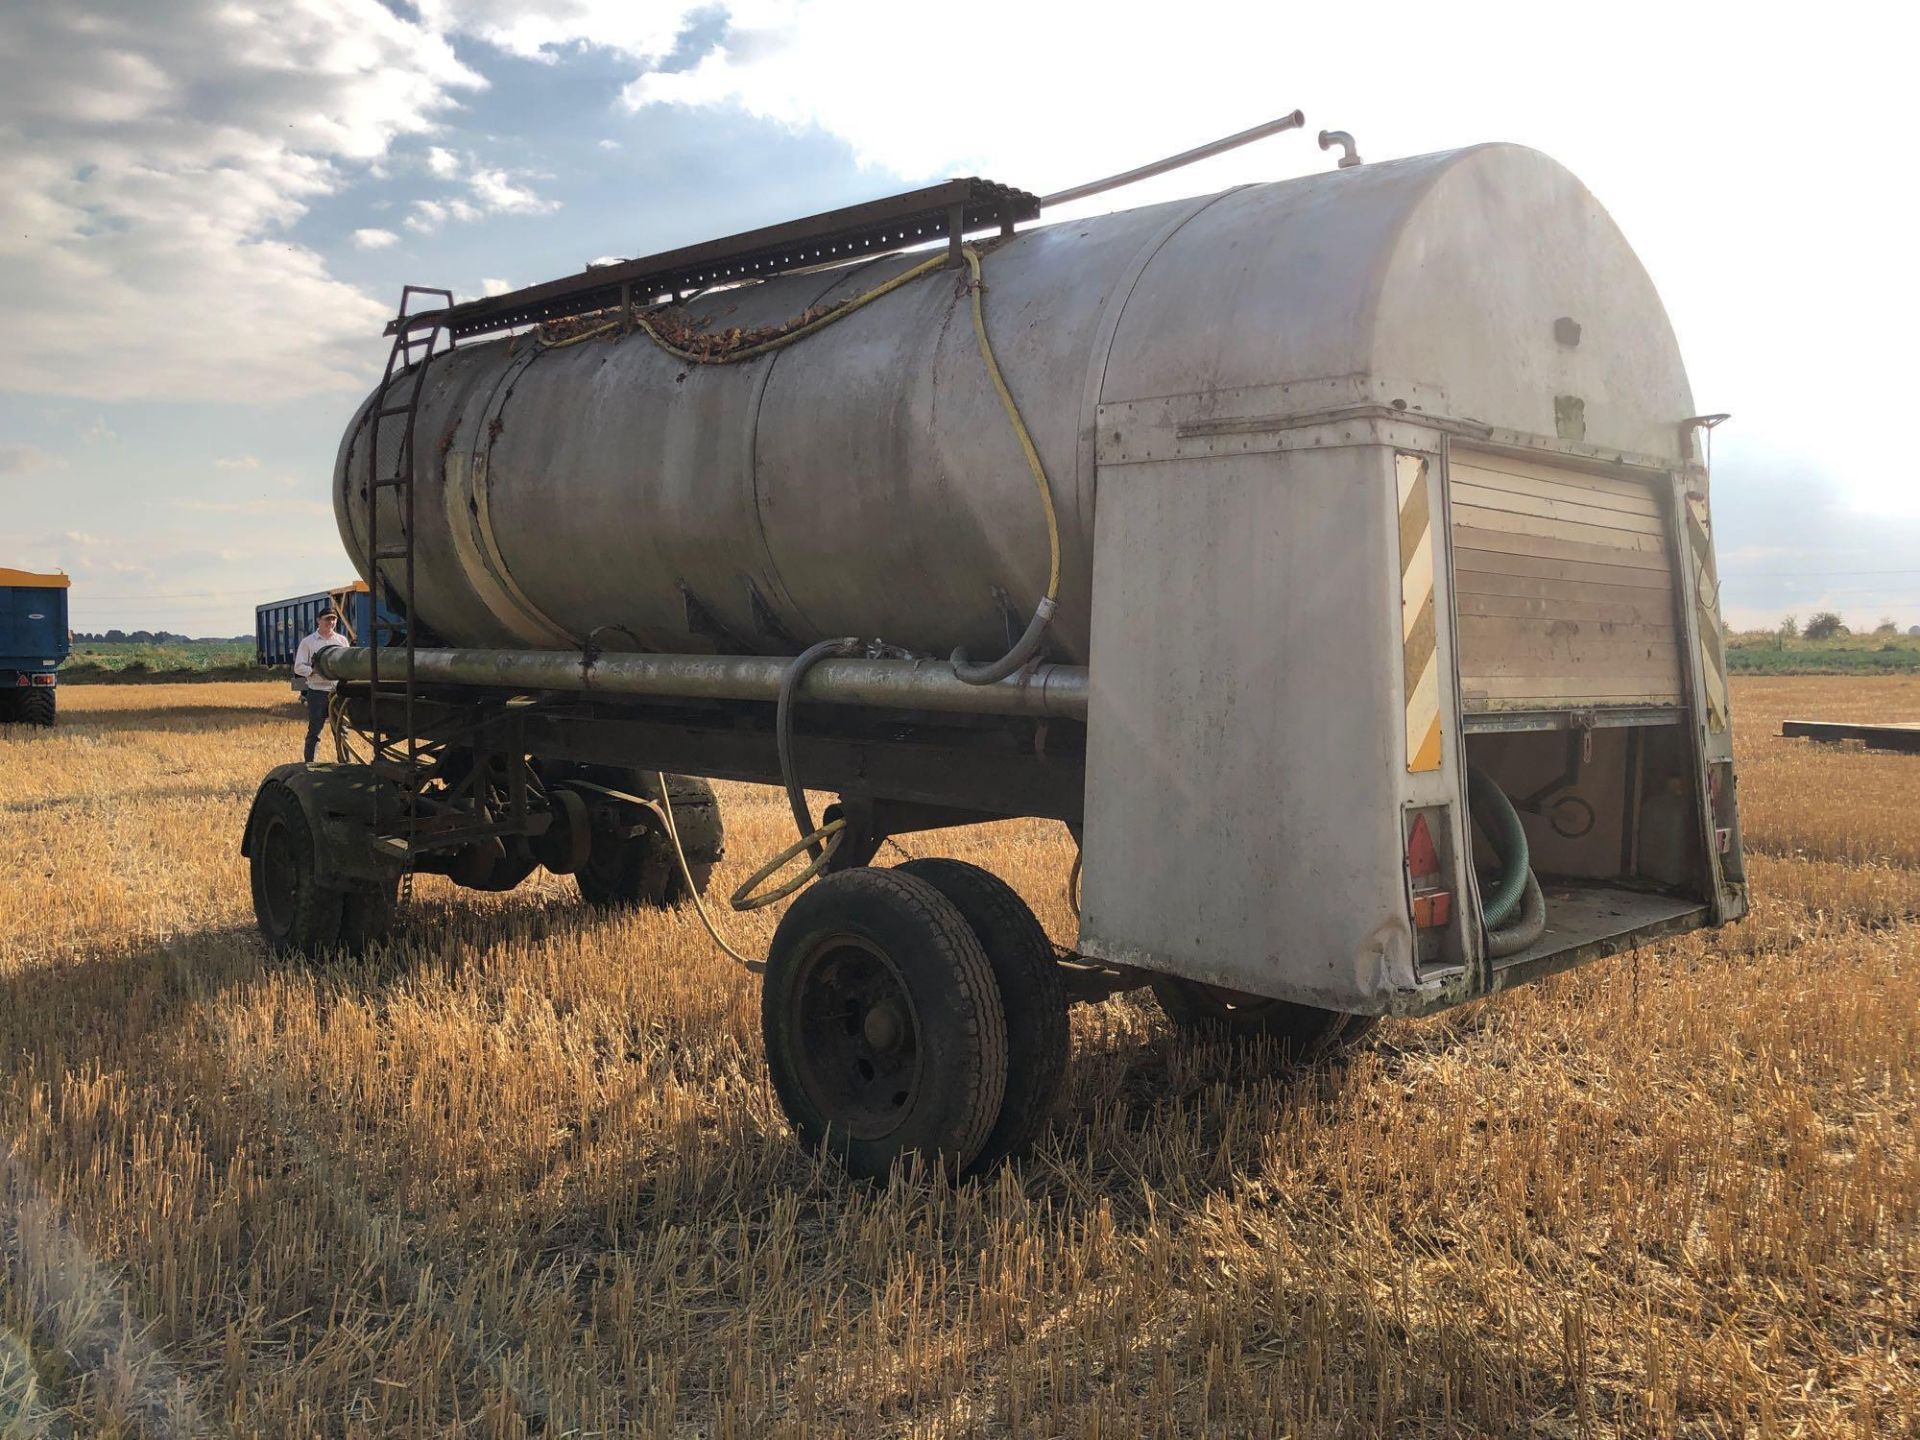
[311, 646]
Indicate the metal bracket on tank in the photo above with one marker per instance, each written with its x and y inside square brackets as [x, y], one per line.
[766, 621]
[702, 621]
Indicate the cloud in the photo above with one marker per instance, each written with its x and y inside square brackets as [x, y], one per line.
[155, 153]
[443, 163]
[237, 462]
[374, 239]
[499, 193]
[495, 287]
[280, 506]
[429, 215]
[605, 144]
[492, 192]
[540, 29]
[24, 459]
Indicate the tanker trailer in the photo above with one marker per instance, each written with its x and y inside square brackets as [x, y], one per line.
[1344, 544]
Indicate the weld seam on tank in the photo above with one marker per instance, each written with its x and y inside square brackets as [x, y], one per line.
[835, 279]
[1100, 352]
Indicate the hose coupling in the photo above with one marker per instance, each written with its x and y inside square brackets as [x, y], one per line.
[1024, 650]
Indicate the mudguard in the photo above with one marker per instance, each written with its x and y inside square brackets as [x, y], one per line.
[346, 805]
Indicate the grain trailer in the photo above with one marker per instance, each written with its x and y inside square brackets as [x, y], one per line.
[280, 625]
[34, 640]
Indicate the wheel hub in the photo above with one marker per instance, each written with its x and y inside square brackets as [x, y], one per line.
[885, 1027]
[860, 1041]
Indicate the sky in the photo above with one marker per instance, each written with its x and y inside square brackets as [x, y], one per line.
[208, 208]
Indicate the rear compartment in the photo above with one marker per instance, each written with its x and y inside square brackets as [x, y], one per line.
[1574, 683]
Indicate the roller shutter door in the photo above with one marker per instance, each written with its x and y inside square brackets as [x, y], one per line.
[1563, 586]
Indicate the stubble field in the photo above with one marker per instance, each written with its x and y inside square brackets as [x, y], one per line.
[521, 1173]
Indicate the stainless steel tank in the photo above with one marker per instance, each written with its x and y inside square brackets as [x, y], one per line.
[865, 480]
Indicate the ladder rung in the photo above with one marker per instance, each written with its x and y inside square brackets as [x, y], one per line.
[391, 552]
[396, 482]
[393, 410]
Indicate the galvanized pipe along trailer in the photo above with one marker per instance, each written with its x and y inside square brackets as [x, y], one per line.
[1386, 668]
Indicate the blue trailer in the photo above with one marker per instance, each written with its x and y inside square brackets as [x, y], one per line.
[280, 625]
[34, 639]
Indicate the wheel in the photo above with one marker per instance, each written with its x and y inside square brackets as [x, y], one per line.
[628, 870]
[296, 914]
[886, 1037]
[1035, 1002]
[487, 866]
[569, 838]
[37, 706]
[367, 916]
[1357, 1028]
[1214, 1012]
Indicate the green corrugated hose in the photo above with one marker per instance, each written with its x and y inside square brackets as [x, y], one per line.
[1502, 823]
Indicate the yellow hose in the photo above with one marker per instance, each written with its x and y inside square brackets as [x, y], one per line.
[743, 898]
[780, 342]
[977, 286]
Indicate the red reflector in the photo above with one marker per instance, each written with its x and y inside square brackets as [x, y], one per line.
[1432, 909]
[45, 680]
[1422, 859]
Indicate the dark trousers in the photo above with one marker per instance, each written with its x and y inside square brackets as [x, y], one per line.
[316, 717]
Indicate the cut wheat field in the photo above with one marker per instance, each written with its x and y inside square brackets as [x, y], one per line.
[522, 1174]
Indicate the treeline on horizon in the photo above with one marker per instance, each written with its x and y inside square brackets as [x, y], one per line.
[153, 637]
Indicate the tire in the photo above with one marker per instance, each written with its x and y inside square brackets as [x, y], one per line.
[622, 872]
[296, 914]
[1212, 1012]
[885, 1032]
[1357, 1028]
[37, 706]
[1031, 994]
[9, 706]
[367, 917]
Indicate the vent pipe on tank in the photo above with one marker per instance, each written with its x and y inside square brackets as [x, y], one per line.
[1174, 162]
[1331, 138]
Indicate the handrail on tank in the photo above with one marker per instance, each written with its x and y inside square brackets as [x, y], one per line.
[1053, 691]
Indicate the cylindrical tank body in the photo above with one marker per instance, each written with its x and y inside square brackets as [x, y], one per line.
[865, 480]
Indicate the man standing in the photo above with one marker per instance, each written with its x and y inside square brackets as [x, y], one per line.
[317, 689]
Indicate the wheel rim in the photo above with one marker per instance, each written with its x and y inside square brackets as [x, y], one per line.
[279, 875]
[860, 1057]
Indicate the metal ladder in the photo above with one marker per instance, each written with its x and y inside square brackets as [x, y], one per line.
[413, 347]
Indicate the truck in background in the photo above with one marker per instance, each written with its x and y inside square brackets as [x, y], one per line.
[279, 625]
[34, 639]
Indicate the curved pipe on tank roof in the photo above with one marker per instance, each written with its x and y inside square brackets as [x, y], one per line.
[1331, 138]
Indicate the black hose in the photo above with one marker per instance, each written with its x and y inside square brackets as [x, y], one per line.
[783, 726]
[1028, 645]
